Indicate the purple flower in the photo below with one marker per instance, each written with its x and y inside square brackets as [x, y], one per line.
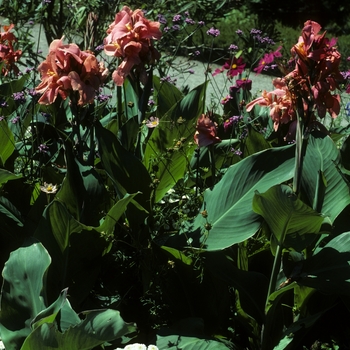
[2, 118]
[233, 47]
[239, 32]
[191, 71]
[175, 27]
[213, 32]
[255, 32]
[42, 148]
[19, 96]
[15, 120]
[99, 47]
[201, 23]
[151, 102]
[197, 53]
[231, 122]
[166, 29]
[190, 21]
[162, 19]
[177, 18]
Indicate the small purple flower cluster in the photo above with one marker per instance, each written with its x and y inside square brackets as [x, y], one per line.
[190, 21]
[19, 96]
[99, 47]
[15, 120]
[42, 148]
[103, 97]
[169, 80]
[177, 18]
[233, 47]
[162, 19]
[213, 32]
[230, 122]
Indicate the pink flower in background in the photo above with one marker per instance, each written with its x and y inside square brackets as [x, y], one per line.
[234, 67]
[205, 134]
[8, 56]
[130, 38]
[267, 59]
[67, 69]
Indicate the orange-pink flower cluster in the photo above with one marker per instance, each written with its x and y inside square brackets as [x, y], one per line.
[67, 70]
[310, 84]
[206, 133]
[130, 38]
[279, 101]
[317, 69]
[8, 56]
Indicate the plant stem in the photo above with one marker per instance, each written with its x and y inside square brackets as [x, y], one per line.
[274, 273]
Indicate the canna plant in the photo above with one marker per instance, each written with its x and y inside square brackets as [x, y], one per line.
[221, 228]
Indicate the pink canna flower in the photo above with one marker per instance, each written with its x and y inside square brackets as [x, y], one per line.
[205, 134]
[8, 56]
[130, 38]
[279, 101]
[66, 70]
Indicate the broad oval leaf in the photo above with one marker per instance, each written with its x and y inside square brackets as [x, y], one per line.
[168, 147]
[229, 203]
[322, 180]
[96, 328]
[285, 213]
[22, 292]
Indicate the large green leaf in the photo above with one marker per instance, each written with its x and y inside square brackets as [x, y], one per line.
[126, 171]
[96, 328]
[82, 190]
[323, 183]
[329, 269]
[76, 249]
[22, 295]
[285, 213]
[229, 203]
[6, 175]
[7, 142]
[167, 95]
[174, 342]
[8, 209]
[168, 148]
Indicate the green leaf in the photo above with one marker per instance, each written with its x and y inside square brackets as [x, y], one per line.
[6, 175]
[7, 142]
[7, 89]
[322, 180]
[329, 269]
[96, 328]
[285, 213]
[167, 95]
[162, 152]
[22, 295]
[229, 203]
[8, 209]
[177, 254]
[255, 142]
[114, 214]
[74, 265]
[126, 171]
[174, 342]
[49, 314]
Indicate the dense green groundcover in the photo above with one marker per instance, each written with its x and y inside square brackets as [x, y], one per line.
[138, 213]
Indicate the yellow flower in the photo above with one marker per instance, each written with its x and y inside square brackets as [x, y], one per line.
[49, 188]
